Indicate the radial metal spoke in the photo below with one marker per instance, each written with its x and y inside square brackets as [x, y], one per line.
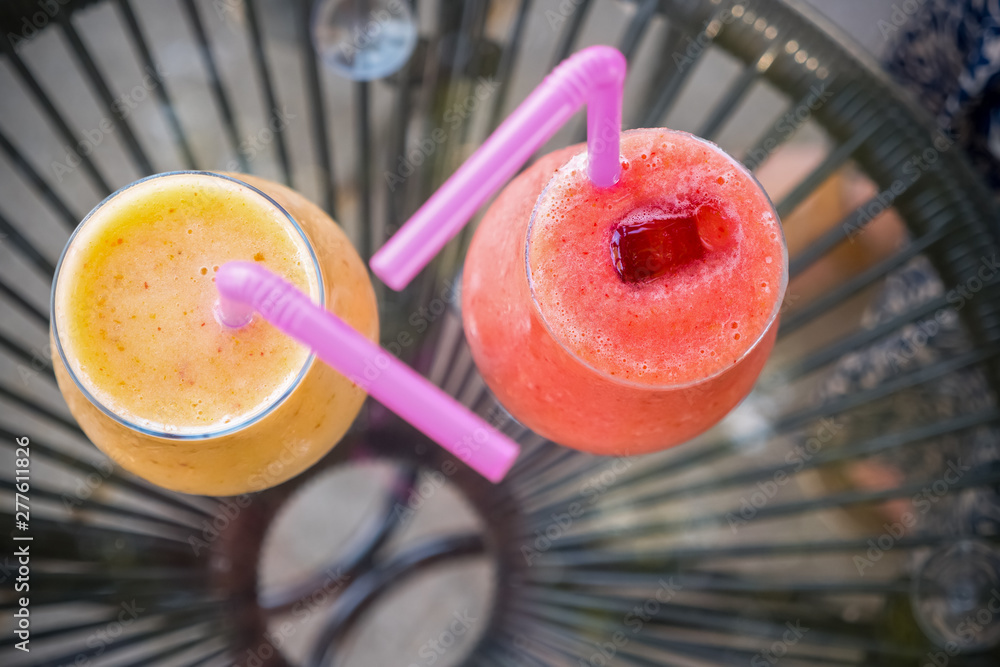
[69, 218]
[570, 32]
[28, 251]
[542, 629]
[986, 476]
[56, 118]
[681, 459]
[28, 359]
[362, 94]
[637, 27]
[204, 640]
[514, 639]
[459, 371]
[215, 82]
[691, 582]
[657, 560]
[834, 161]
[173, 500]
[113, 110]
[57, 579]
[735, 93]
[149, 613]
[553, 641]
[60, 540]
[836, 296]
[127, 642]
[582, 481]
[317, 107]
[402, 111]
[503, 654]
[858, 452]
[160, 90]
[783, 129]
[111, 591]
[849, 401]
[31, 309]
[45, 412]
[474, 393]
[448, 344]
[523, 471]
[270, 98]
[506, 67]
[574, 620]
[97, 507]
[859, 340]
[571, 621]
[471, 13]
[551, 472]
[670, 88]
[678, 615]
[520, 433]
[853, 224]
[208, 659]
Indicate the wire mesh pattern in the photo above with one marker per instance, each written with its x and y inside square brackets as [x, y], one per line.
[845, 514]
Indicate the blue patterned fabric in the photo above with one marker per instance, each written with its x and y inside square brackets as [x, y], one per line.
[947, 54]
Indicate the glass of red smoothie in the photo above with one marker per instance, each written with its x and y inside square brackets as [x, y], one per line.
[628, 319]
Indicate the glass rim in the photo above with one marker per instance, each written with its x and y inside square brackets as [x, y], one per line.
[158, 433]
[604, 375]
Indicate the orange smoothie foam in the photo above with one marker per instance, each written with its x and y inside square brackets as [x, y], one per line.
[136, 319]
[704, 314]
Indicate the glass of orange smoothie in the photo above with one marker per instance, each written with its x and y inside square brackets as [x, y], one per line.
[627, 319]
[153, 378]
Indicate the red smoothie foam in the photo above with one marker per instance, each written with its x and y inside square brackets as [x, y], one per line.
[667, 278]
[629, 319]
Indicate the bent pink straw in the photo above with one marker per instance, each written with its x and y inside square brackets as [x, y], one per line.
[246, 286]
[595, 76]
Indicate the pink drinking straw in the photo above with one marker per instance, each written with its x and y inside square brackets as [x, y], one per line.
[246, 286]
[594, 76]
